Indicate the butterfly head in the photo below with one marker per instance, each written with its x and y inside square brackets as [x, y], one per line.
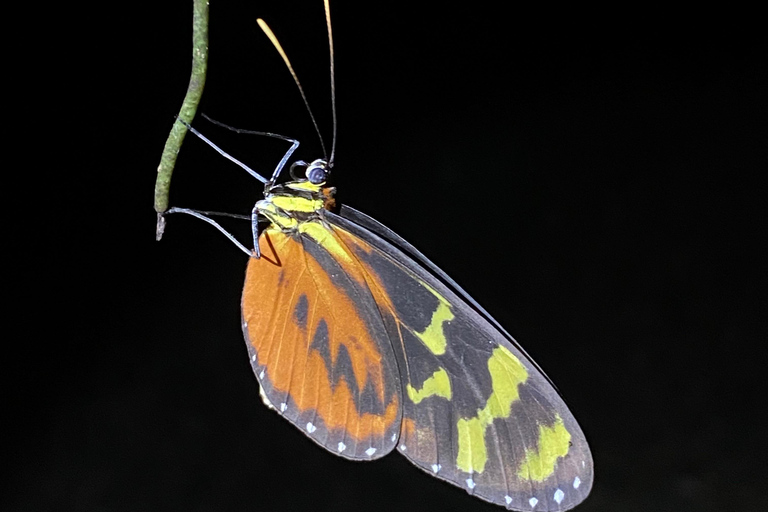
[314, 179]
[310, 187]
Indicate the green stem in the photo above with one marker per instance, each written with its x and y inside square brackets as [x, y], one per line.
[186, 113]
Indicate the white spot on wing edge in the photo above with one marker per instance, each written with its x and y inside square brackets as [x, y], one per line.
[576, 482]
[533, 502]
[283, 407]
[311, 428]
[394, 437]
[559, 495]
[470, 483]
[253, 358]
[342, 446]
[370, 451]
[403, 447]
[508, 499]
[436, 467]
[261, 375]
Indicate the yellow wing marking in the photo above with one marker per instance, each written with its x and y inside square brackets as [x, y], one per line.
[433, 336]
[554, 442]
[324, 237]
[507, 373]
[437, 385]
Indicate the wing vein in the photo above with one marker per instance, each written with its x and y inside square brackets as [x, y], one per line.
[285, 322]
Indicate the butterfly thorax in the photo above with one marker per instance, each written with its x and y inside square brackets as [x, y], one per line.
[290, 204]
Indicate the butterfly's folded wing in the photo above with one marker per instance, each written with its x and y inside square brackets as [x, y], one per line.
[319, 348]
[411, 253]
[477, 412]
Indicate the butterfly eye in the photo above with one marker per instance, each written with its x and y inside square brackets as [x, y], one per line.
[317, 172]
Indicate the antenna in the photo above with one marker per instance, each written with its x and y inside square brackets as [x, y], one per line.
[333, 79]
[271, 35]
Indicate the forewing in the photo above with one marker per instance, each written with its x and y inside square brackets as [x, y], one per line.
[318, 346]
[477, 412]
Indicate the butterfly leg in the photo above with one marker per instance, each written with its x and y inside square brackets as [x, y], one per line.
[204, 216]
[280, 164]
[255, 231]
[225, 154]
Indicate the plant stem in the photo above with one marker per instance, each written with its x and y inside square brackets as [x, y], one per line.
[186, 113]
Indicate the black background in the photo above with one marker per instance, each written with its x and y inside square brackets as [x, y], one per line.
[596, 179]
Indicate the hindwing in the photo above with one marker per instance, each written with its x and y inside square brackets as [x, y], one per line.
[319, 348]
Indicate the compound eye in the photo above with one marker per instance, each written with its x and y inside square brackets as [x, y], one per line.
[316, 174]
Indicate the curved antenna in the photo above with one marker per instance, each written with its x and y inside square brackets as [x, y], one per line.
[271, 35]
[333, 79]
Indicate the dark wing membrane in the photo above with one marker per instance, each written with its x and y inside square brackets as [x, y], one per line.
[412, 253]
[318, 346]
[477, 412]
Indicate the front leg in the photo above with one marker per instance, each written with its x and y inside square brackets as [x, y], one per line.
[204, 216]
[255, 230]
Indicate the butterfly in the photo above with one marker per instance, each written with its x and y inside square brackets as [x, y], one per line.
[367, 347]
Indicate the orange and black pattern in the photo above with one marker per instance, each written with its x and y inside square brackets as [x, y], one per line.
[320, 348]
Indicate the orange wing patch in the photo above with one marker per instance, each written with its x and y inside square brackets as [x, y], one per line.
[319, 348]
